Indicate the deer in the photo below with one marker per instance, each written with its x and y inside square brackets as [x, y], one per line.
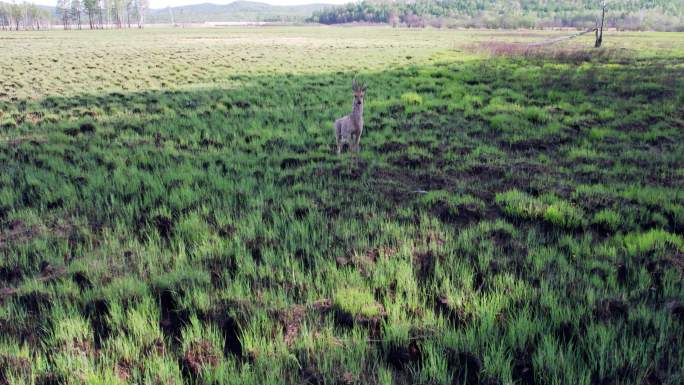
[348, 129]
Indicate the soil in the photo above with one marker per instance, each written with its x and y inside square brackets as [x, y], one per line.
[173, 318]
[465, 366]
[199, 355]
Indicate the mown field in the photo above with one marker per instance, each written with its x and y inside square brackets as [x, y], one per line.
[172, 209]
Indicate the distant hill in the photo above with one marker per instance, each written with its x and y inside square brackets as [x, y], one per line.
[235, 11]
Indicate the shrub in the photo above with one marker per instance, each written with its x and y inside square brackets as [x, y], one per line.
[608, 219]
[411, 98]
[564, 214]
[549, 208]
[519, 204]
[536, 115]
[637, 243]
[357, 302]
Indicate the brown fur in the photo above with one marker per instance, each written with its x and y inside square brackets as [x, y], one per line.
[348, 129]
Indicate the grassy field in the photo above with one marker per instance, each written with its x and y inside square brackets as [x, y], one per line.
[172, 210]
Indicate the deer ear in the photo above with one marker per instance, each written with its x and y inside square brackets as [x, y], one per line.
[354, 84]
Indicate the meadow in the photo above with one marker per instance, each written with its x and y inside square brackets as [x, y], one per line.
[172, 209]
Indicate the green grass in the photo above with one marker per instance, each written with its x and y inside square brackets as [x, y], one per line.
[172, 209]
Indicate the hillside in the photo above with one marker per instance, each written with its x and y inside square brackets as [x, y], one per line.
[634, 15]
[236, 11]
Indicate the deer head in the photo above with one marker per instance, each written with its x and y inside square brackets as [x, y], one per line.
[359, 90]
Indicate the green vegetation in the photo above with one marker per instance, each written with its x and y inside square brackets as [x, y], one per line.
[550, 208]
[660, 15]
[172, 209]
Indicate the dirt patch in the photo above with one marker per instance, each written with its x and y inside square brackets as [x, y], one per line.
[289, 163]
[164, 225]
[366, 260]
[567, 332]
[292, 320]
[255, 247]
[465, 366]
[388, 147]
[12, 367]
[536, 145]
[622, 274]
[199, 355]
[227, 231]
[11, 275]
[18, 232]
[454, 315]
[346, 319]
[229, 327]
[523, 367]
[173, 318]
[403, 357]
[219, 266]
[408, 161]
[35, 302]
[464, 214]
[123, 369]
[49, 273]
[424, 266]
[82, 280]
[301, 213]
[676, 308]
[611, 309]
[79, 346]
[97, 312]
[677, 261]
[490, 381]
[17, 141]
[486, 171]
[87, 128]
[352, 171]
[310, 375]
[396, 186]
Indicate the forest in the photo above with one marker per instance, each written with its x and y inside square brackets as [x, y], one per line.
[628, 15]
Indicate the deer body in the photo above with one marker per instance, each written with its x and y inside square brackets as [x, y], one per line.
[348, 129]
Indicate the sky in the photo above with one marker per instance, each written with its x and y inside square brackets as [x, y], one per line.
[175, 3]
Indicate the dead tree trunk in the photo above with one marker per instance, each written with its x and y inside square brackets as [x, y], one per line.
[599, 28]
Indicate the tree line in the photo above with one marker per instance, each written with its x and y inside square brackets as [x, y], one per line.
[23, 16]
[100, 14]
[74, 14]
[624, 14]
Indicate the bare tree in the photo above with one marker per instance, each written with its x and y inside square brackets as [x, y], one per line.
[4, 17]
[90, 7]
[63, 12]
[100, 8]
[76, 7]
[599, 26]
[17, 15]
[141, 6]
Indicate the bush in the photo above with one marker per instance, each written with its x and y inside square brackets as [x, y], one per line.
[608, 219]
[356, 302]
[548, 208]
[411, 98]
[519, 204]
[564, 214]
